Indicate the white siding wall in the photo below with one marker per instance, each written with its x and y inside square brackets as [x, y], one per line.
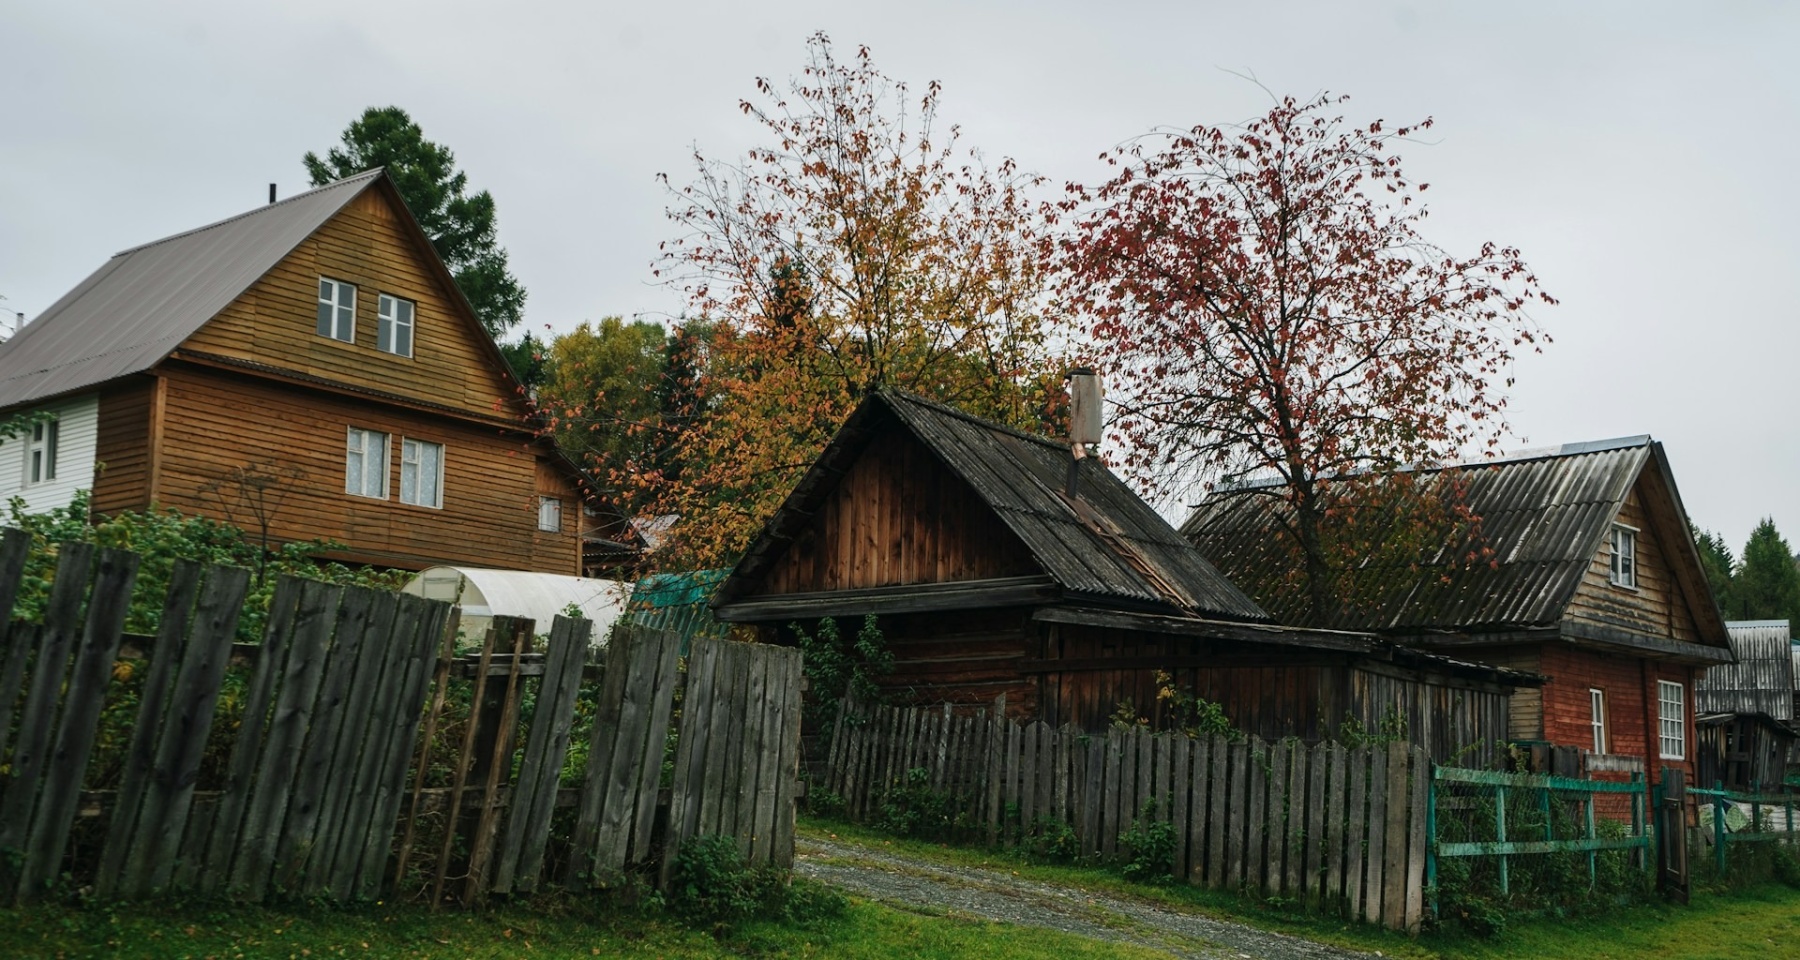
[78, 425]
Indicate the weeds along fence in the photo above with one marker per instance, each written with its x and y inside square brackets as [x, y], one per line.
[353, 754]
[1338, 829]
[1730, 819]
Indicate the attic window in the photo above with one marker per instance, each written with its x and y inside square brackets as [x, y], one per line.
[1624, 557]
[337, 310]
[395, 334]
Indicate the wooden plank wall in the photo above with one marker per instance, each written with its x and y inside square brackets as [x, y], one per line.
[1655, 606]
[1339, 829]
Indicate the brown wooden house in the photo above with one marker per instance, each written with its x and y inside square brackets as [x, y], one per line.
[987, 575]
[310, 361]
[1595, 584]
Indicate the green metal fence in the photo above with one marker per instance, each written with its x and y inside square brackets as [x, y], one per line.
[1772, 817]
[1499, 816]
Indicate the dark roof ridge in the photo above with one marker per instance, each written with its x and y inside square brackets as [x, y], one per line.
[367, 175]
[1526, 455]
[894, 393]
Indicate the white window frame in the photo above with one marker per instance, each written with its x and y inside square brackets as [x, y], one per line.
[1597, 717]
[1623, 562]
[413, 466]
[337, 319]
[396, 317]
[370, 446]
[550, 515]
[1671, 720]
[40, 452]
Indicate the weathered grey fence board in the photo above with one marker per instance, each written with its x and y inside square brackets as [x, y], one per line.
[533, 802]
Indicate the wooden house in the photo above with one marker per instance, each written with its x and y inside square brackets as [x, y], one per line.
[310, 363]
[1744, 711]
[988, 575]
[1594, 583]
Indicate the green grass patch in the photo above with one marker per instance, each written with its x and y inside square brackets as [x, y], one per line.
[1758, 921]
[547, 929]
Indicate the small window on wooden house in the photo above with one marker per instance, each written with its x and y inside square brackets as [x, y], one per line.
[1671, 715]
[1624, 557]
[421, 472]
[365, 463]
[550, 514]
[40, 453]
[337, 310]
[1597, 717]
[396, 331]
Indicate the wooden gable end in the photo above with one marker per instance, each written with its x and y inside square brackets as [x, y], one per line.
[898, 517]
[372, 245]
[1658, 604]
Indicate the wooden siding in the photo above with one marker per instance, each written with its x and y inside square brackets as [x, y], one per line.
[898, 517]
[1655, 606]
[963, 657]
[214, 421]
[1270, 694]
[275, 321]
[122, 476]
[77, 428]
[1527, 712]
[554, 480]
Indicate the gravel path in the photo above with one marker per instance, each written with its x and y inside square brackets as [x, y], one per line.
[882, 874]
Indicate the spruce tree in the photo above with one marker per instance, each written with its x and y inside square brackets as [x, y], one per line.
[1767, 585]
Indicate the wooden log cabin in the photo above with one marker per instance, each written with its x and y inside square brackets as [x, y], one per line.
[1594, 584]
[1744, 711]
[312, 361]
[988, 576]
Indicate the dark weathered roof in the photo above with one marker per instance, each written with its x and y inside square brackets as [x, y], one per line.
[1544, 514]
[1762, 679]
[140, 305]
[1106, 545]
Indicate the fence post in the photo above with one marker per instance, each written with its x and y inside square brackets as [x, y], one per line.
[1431, 836]
[1719, 825]
[1500, 833]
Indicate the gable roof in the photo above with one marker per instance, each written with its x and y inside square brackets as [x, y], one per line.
[133, 312]
[1105, 545]
[1544, 513]
[141, 304]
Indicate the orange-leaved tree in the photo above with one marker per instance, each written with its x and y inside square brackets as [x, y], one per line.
[1269, 309]
[861, 246]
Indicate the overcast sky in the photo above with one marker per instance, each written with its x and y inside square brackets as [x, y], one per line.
[1641, 155]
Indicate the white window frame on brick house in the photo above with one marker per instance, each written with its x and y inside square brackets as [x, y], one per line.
[1597, 717]
[40, 452]
[549, 515]
[1671, 720]
[421, 473]
[1623, 561]
[365, 463]
[337, 310]
[395, 333]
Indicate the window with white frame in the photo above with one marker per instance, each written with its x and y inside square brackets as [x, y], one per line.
[550, 514]
[1624, 557]
[337, 310]
[365, 463]
[40, 453]
[1597, 717]
[395, 334]
[421, 472]
[1671, 714]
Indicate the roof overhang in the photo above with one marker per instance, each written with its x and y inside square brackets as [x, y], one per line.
[911, 598]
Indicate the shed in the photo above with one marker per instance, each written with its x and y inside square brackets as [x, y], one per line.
[1745, 710]
[995, 563]
[484, 594]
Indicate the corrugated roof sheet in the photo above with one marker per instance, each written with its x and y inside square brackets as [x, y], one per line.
[1108, 544]
[1762, 679]
[1544, 516]
[140, 305]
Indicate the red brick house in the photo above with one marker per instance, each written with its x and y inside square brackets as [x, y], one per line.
[1595, 584]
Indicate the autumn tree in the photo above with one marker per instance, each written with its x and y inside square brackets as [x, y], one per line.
[862, 245]
[602, 387]
[1267, 307]
[460, 224]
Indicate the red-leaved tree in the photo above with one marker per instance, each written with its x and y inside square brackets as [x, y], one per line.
[1267, 308]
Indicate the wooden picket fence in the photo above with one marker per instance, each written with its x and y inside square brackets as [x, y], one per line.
[332, 787]
[1341, 830]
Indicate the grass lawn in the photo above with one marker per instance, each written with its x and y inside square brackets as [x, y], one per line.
[865, 932]
[1762, 922]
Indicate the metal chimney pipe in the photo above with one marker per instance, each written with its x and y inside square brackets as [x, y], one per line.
[1085, 425]
[271, 193]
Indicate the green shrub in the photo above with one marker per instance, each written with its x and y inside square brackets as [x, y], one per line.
[1149, 846]
[914, 809]
[836, 666]
[713, 887]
